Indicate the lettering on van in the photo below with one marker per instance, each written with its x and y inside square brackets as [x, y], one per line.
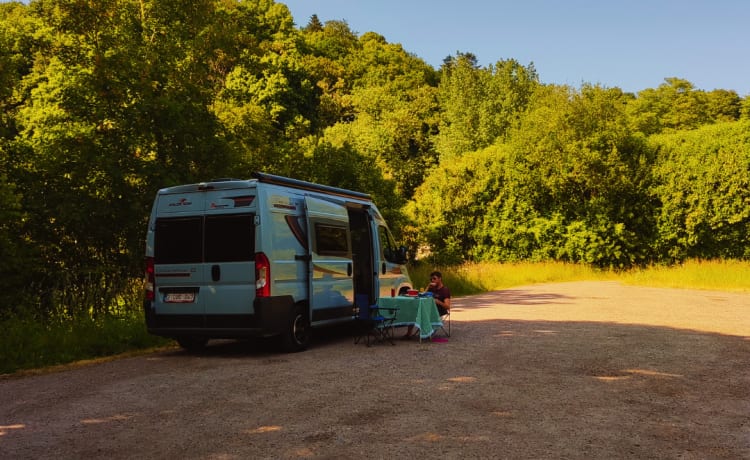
[182, 202]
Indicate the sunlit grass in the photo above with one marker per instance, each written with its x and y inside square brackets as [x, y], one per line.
[473, 278]
[724, 275]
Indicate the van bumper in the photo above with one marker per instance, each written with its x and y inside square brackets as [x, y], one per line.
[270, 318]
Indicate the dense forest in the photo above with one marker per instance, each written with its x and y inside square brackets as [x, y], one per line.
[105, 102]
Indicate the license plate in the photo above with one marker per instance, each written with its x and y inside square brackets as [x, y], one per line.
[179, 297]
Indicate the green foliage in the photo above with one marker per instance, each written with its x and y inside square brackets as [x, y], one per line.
[677, 105]
[704, 187]
[480, 105]
[570, 183]
[28, 343]
[452, 202]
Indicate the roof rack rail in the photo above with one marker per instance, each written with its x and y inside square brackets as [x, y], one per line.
[304, 185]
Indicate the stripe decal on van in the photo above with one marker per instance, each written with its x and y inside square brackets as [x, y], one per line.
[324, 270]
[173, 275]
[297, 230]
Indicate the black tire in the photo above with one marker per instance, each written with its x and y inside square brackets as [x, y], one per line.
[296, 336]
[192, 344]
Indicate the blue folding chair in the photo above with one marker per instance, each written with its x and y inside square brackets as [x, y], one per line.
[373, 321]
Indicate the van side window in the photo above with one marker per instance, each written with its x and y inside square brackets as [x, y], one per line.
[331, 240]
[387, 245]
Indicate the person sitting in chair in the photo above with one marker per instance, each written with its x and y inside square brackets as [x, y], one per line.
[440, 293]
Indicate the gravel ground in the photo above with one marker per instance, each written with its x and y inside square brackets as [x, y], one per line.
[571, 370]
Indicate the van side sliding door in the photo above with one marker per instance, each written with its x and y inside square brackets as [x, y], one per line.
[331, 266]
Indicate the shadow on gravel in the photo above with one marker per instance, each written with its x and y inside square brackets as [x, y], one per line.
[267, 346]
[510, 297]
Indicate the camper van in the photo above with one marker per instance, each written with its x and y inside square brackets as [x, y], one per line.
[268, 256]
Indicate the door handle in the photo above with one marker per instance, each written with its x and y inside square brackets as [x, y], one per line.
[215, 272]
[383, 268]
[349, 269]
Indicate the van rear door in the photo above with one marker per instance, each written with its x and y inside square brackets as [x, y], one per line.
[204, 255]
[178, 262]
[331, 265]
[229, 254]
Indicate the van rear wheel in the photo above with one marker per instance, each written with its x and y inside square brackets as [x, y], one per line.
[192, 344]
[296, 337]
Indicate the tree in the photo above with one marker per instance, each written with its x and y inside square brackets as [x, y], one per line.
[570, 183]
[314, 25]
[723, 105]
[674, 105]
[115, 108]
[704, 188]
[480, 105]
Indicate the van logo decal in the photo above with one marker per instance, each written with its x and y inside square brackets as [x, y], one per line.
[182, 202]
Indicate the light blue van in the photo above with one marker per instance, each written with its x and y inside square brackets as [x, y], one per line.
[269, 256]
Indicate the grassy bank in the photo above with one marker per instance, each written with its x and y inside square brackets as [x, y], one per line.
[29, 344]
[474, 278]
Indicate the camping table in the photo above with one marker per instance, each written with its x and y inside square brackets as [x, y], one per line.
[420, 312]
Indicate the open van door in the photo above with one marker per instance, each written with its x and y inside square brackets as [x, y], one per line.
[331, 265]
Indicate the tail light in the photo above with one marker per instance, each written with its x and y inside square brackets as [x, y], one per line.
[262, 276]
[150, 281]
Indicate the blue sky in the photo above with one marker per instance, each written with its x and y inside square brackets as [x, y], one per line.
[631, 44]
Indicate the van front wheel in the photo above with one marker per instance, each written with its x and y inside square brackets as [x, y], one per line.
[296, 337]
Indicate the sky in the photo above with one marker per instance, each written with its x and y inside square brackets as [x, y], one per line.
[630, 44]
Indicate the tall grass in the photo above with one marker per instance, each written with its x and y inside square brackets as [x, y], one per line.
[724, 275]
[28, 343]
[473, 278]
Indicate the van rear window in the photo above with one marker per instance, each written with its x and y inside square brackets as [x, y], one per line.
[222, 238]
[178, 240]
[230, 238]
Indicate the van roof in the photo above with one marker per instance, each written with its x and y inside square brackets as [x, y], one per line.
[229, 183]
[303, 185]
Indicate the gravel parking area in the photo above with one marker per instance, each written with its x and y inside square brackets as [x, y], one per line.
[569, 370]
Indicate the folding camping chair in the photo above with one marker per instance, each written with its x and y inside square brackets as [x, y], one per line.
[446, 327]
[373, 321]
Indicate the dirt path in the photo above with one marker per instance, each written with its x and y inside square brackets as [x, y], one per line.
[572, 370]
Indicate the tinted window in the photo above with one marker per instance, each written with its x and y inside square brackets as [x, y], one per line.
[178, 240]
[230, 238]
[387, 245]
[331, 240]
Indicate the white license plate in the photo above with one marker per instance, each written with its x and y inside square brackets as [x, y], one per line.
[179, 297]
